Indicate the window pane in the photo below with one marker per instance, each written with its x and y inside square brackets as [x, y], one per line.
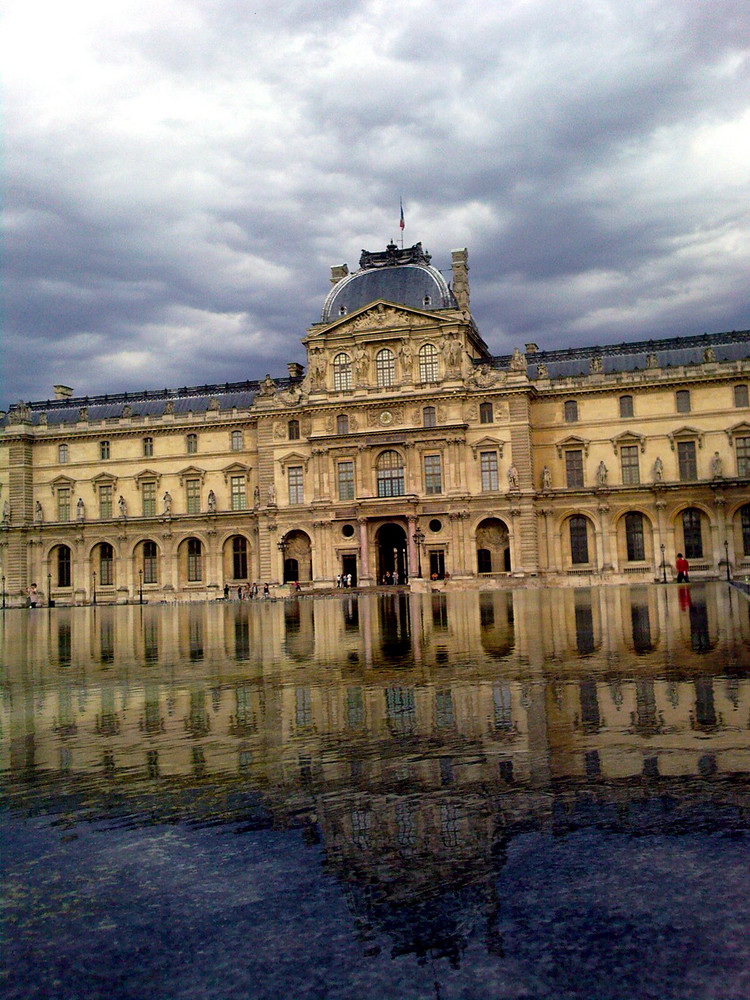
[105, 502]
[106, 554]
[236, 440]
[148, 447]
[63, 504]
[192, 443]
[574, 468]
[104, 450]
[193, 496]
[571, 411]
[294, 430]
[390, 475]
[488, 465]
[149, 499]
[634, 537]
[626, 406]
[429, 416]
[239, 495]
[385, 368]
[740, 396]
[683, 401]
[62, 453]
[346, 480]
[296, 493]
[745, 522]
[691, 530]
[428, 363]
[149, 563]
[743, 456]
[433, 481]
[687, 461]
[485, 413]
[63, 566]
[630, 471]
[342, 424]
[239, 557]
[579, 543]
[342, 372]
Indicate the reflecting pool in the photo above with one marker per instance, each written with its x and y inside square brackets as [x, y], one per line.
[521, 794]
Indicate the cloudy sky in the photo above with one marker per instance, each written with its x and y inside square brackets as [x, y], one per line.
[179, 175]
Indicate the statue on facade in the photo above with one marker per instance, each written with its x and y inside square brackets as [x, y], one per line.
[407, 358]
[709, 355]
[602, 474]
[541, 370]
[316, 367]
[6, 512]
[546, 479]
[361, 364]
[38, 513]
[452, 354]
[256, 497]
[518, 361]
[211, 501]
[272, 495]
[167, 503]
[122, 506]
[80, 510]
[513, 478]
[716, 467]
[595, 365]
[658, 471]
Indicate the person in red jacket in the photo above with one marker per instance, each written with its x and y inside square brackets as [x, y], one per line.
[682, 567]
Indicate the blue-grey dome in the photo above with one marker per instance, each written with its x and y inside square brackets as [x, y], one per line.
[402, 276]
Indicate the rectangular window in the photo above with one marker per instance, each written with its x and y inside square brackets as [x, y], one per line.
[745, 524]
[62, 453]
[296, 492]
[743, 456]
[148, 447]
[740, 396]
[148, 492]
[488, 465]
[629, 459]
[429, 416]
[239, 495]
[63, 504]
[433, 479]
[346, 480]
[104, 450]
[236, 440]
[191, 443]
[687, 461]
[682, 400]
[193, 496]
[105, 502]
[626, 406]
[486, 415]
[574, 468]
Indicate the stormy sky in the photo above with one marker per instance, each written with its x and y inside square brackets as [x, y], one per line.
[179, 175]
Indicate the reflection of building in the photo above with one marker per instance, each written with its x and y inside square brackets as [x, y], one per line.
[405, 448]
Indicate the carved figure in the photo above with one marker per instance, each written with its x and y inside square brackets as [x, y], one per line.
[541, 370]
[272, 495]
[518, 361]
[211, 501]
[513, 477]
[546, 479]
[602, 474]
[452, 353]
[361, 364]
[652, 360]
[122, 506]
[658, 471]
[167, 503]
[80, 510]
[407, 357]
[716, 468]
[709, 355]
[267, 387]
[6, 513]
[256, 497]
[595, 365]
[38, 513]
[317, 367]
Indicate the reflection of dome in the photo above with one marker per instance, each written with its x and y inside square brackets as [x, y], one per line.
[402, 276]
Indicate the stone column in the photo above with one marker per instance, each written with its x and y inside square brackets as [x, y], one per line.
[364, 551]
[411, 545]
[516, 563]
[660, 508]
[719, 533]
[546, 513]
[603, 509]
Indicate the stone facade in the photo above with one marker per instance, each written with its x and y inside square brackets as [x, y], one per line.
[404, 448]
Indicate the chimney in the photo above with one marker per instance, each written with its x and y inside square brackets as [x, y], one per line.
[62, 391]
[295, 369]
[460, 260]
[338, 273]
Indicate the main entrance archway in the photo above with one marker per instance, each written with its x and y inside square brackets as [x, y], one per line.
[392, 554]
[493, 546]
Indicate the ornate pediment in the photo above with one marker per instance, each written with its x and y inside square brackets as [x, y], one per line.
[572, 441]
[380, 316]
[486, 443]
[147, 476]
[628, 437]
[103, 479]
[685, 434]
[293, 458]
[739, 430]
[191, 472]
[61, 483]
[236, 469]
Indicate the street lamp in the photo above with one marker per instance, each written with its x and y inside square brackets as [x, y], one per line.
[726, 559]
[93, 599]
[140, 586]
[418, 537]
[663, 565]
[3, 591]
[49, 591]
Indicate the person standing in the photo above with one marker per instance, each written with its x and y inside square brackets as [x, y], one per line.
[33, 596]
[683, 569]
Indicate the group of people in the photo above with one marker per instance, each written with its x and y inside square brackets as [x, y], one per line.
[344, 580]
[246, 592]
[390, 578]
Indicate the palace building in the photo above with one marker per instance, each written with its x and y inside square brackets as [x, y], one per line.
[405, 451]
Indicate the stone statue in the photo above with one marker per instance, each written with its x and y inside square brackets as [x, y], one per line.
[658, 471]
[6, 512]
[518, 361]
[709, 355]
[256, 497]
[452, 353]
[361, 364]
[546, 479]
[602, 474]
[595, 365]
[80, 510]
[513, 477]
[317, 367]
[167, 503]
[122, 506]
[407, 358]
[38, 513]
[211, 501]
[541, 370]
[716, 469]
[272, 495]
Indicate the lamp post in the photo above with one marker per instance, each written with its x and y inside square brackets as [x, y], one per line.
[418, 537]
[49, 591]
[3, 591]
[93, 598]
[663, 565]
[726, 559]
[281, 545]
[140, 586]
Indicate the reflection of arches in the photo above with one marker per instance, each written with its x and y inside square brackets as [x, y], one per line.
[299, 630]
[496, 623]
[391, 542]
[298, 550]
[395, 627]
[493, 546]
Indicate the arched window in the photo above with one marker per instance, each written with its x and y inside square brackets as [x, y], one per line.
[428, 363]
[634, 536]
[682, 400]
[194, 568]
[691, 533]
[63, 566]
[293, 426]
[486, 416]
[191, 442]
[106, 562]
[579, 540]
[571, 411]
[390, 474]
[239, 557]
[150, 574]
[429, 416]
[236, 440]
[342, 424]
[342, 372]
[385, 368]
[745, 525]
[626, 406]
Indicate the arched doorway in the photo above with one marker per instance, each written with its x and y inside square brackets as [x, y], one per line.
[493, 546]
[297, 557]
[392, 554]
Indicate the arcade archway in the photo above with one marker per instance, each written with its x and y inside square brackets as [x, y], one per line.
[393, 563]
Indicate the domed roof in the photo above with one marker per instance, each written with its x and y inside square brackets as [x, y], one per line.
[402, 276]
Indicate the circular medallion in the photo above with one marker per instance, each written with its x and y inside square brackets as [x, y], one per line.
[386, 417]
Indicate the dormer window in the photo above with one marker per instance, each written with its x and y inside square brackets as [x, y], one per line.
[427, 301]
[342, 310]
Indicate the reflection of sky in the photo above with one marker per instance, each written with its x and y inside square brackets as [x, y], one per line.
[191, 912]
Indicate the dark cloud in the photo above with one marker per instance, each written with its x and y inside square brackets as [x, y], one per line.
[180, 176]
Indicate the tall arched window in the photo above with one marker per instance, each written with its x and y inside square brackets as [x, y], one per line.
[63, 566]
[428, 363]
[691, 533]
[571, 411]
[634, 536]
[385, 368]
[194, 568]
[390, 469]
[342, 372]
[106, 562]
[293, 430]
[342, 424]
[429, 416]
[579, 540]
[745, 525]
[149, 563]
[239, 557]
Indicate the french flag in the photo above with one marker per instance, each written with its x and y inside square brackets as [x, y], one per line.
[401, 223]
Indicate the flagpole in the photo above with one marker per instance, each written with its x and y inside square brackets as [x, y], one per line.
[401, 221]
